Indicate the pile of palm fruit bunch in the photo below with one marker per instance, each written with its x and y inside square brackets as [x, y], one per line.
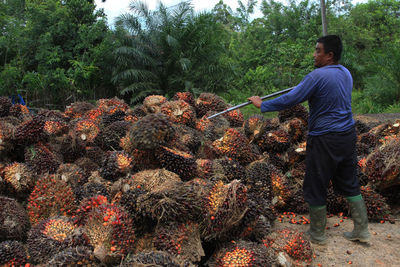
[161, 184]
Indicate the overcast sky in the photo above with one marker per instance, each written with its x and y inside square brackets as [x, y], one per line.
[113, 8]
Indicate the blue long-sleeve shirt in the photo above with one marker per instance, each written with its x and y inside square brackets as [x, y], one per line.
[328, 91]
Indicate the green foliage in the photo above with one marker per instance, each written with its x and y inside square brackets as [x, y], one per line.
[169, 50]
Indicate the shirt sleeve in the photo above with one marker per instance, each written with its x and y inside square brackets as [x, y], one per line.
[299, 94]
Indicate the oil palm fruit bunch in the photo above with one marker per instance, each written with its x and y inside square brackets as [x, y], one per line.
[296, 129]
[180, 162]
[30, 132]
[377, 207]
[41, 159]
[185, 96]
[19, 179]
[50, 197]
[255, 126]
[14, 221]
[235, 118]
[153, 103]
[86, 129]
[13, 253]
[179, 112]
[209, 102]
[382, 166]
[230, 169]
[297, 111]
[181, 240]
[51, 236]
[6, 136]
[275, 141]
[74, 256]
[205, 168]
[243, 254]
[112, 105]
[189, 137]
[77, 110]
[150, 132]
[110, 136]
[234, 144]
[213, 128]
[292, 242]
[223, 206]
[258, 180]
[110, 231]
[20, 111]
[116, 165]
[152, 258]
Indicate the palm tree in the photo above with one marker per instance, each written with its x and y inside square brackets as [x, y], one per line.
[168, 50]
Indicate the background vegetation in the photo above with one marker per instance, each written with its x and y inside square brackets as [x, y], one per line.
[54, 52]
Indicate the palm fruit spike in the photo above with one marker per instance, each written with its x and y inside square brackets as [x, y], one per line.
[20, 111]
[223, 207]
[176, 203]
[50, 197]
[185, 96]
[204, 168]
[209, 102]
[13, 253]
[5, 105]
[293, 242]
[258, 180]
[115, 165]
[110, 232]
[135, 114]
[152, 258]
[110, 136]
[70, 147]
[54, 127]
[19, 178]
[243, 254]
[41, 159]
[377, 207]
[235, 145]
[30, 132]
[297, 111]
[229, 168]
[152, 103]
[179, 162]
[87, 129]
[179, 112]
[52, 236]
[382, 166]
[235, 118]
[14, 221]
[153, 180]
[150, 132]
[181, 240]
[77, 110]
[110, 106]
[74, 256]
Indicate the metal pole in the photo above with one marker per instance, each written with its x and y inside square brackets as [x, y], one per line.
[249, 102]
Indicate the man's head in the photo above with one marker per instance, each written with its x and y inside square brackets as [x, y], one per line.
[327, 51]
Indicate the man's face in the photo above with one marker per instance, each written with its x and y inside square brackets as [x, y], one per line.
[321, 58]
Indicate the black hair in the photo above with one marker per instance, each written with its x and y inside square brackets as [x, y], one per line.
[332, 43]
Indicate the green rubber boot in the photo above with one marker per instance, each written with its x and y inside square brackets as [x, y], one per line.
[317, 225]
[360, 219]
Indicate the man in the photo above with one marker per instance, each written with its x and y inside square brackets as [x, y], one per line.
[331, 141]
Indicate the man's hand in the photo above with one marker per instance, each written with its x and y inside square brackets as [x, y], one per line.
[256, 100]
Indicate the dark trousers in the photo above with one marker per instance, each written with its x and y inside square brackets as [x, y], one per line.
[331, 157]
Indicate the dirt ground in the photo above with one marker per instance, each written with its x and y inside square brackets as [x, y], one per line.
[384, 246]
[382, 250]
